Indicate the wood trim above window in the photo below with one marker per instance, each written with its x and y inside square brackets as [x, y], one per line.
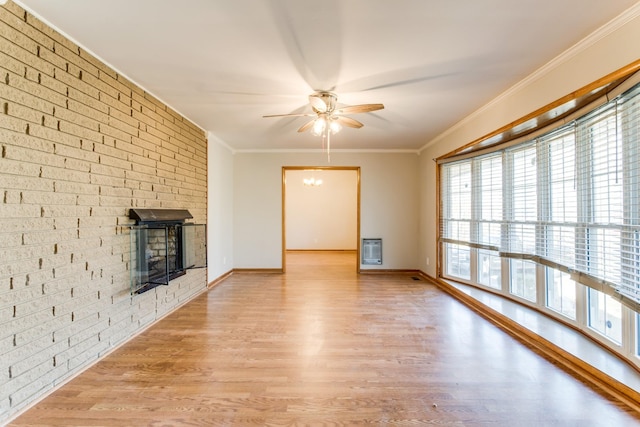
[548, 114]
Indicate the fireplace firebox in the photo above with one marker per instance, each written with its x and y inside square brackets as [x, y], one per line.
[163, 247]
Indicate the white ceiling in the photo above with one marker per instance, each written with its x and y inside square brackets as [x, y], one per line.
[226, 63]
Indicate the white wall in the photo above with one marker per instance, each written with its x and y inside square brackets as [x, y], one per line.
[219, 209]
[389, 206]
[600, 54]
[323, 217]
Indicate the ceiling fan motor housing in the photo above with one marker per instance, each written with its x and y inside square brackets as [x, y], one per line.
[328, 98]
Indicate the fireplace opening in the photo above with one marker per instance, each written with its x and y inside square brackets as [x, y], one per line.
[163, 247]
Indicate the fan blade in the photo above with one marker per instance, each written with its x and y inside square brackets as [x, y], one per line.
[318, 103]
[290, 115]
[306, 126]
[348, 121]
[364, 108]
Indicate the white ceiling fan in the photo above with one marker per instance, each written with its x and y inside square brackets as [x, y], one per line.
[328, 118]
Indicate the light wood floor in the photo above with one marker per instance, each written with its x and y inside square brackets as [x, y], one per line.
[321, 345]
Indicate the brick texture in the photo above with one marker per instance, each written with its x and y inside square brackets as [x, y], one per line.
[79, 146]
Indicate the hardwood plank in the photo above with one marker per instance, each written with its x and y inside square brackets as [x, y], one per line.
[321, 345]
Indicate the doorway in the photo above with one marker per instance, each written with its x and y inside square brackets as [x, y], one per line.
[321, 210]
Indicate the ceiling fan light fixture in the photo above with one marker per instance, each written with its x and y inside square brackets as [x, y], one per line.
[319, 125]
[323, 125]
[330, 119]
[335, 126]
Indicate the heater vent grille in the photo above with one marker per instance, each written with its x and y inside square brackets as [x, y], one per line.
[372, 251]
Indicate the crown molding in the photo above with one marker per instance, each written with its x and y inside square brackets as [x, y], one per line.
[212, 137]
[610, 27]
[319, 150]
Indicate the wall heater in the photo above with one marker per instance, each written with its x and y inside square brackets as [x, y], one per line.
[372, 251]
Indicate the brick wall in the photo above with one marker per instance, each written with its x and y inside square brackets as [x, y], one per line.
[80, 145]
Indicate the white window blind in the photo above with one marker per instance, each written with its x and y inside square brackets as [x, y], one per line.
[521, 204]
[472, 212]
[456, 213]
[600, 194]
[569, 199]
[488, 200]
[629, 113]
[558, 196]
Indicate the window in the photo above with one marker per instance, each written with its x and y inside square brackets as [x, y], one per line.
[630, 233]
[459, 202]
[561, 293]
[568, 199]
[487, 200]
[523, 279]
[489, 269]
[605, 315]
[457, 220]
[559, 197]
[458, 261]
[601, 187]
[521, 205]
[557, 213]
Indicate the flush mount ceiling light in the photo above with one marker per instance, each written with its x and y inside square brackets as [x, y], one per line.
[328, 118]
